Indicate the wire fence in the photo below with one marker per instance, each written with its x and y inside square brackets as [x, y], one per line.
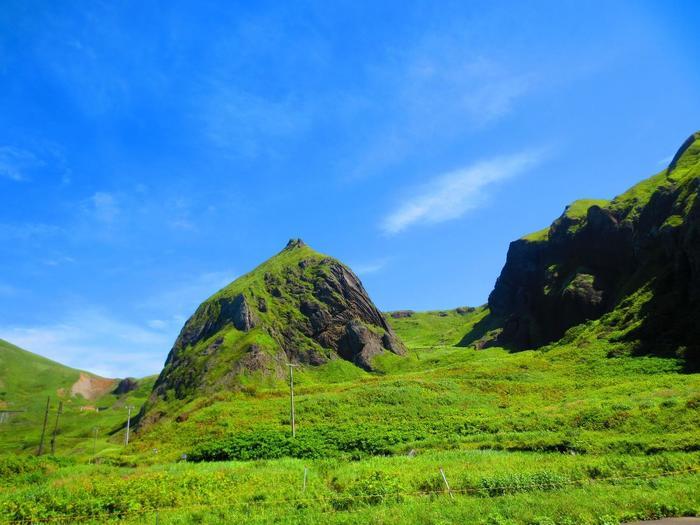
[324, 501]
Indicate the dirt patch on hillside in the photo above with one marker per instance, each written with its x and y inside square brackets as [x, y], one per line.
[92, 387]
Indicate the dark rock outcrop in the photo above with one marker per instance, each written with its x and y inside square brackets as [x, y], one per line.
[595, 257]
[465, 310]
[400, 314]
[300, 307]
[215, 315]
[125, 386]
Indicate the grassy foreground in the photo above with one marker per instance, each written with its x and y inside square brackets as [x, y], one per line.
[577, 432]
[492, 487]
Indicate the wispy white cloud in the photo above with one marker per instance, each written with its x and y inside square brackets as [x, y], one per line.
[158, 324]
[7, 290]
[245, 124]
[59, 260]
[95, 341]
[446, 81]
[370, 267]
[450, 195]
[436, 93]
[16, 163]
[104, 207]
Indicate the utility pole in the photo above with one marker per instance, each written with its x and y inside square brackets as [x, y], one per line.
[55, 428]
[291, 396]
[128, 426]
[94, 443]
[43, 430]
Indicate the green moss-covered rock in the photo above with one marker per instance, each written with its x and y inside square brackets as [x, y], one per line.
[298, 307]
[598, 253]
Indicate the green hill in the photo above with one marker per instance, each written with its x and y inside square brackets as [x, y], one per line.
[298, 307]
[633, 263]
[88, 401]
[26, 379]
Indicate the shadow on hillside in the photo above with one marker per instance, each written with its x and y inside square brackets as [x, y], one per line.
[670, 327]
[484, 334]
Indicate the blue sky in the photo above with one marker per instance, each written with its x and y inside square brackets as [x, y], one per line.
[150, 152]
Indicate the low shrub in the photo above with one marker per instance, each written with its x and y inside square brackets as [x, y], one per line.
[355, 443]
[513, 483]
[375, 489]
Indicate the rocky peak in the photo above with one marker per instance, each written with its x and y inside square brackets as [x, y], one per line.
[299, 306]
[295, 243]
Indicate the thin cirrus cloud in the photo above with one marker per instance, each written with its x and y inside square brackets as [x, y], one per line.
[449, 196]
[370, 267]
[16, 163]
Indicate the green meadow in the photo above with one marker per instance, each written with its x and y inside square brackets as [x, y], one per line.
[576, 432]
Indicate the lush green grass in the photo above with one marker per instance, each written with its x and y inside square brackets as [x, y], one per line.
[562, 435]
[488, 486]
[27, 380]
[538, 236]
[579, 208]
[441, 327]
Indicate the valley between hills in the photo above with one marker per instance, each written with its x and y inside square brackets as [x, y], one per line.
[572, 396]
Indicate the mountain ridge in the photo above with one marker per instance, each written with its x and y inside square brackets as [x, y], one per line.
[298, 307]
[599, 257]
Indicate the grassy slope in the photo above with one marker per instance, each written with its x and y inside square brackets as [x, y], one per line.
[283, 273]
[442, 327]
[568, 417]
[27, 379]
[505, 427]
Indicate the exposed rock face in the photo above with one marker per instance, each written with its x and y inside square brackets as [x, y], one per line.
[465, 310]
[596, 256]
[91, 387]
[216, 315]
[125, 386]
[400, 314]
[299, 306]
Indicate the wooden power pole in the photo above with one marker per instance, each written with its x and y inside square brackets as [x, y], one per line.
[43, 429]
[55, 428]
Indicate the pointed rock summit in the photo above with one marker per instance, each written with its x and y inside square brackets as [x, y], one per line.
[295, 243]
[299, 306]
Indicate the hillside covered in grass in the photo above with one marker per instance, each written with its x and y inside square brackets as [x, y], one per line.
[88, 402]
[567, 434]
[299, 307]
[633, 262]
[27, 378]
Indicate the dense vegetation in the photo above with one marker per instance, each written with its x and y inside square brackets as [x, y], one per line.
[28, 380]
[606, 436]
